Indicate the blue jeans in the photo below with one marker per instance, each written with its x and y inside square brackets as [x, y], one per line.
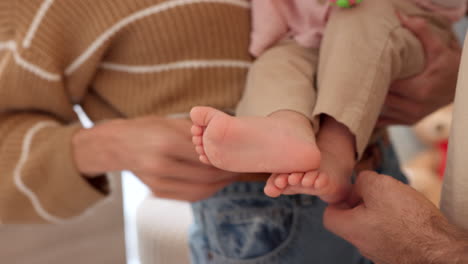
[240, 225]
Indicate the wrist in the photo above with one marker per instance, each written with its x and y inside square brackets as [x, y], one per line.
[457, 248]
[451, 247]
[94, 150]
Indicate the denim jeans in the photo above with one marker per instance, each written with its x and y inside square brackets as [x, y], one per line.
[240, 225]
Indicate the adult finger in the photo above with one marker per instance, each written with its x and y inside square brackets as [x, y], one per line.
[433, 46]
[385, 121]
[376, 189]
[395, 116]
[178, 144]
[405, 88]
[182, 190]
[398, 102]
[367, 185]
[182, 149]
[406, 110]
[187, 196]
[344, 221]
[185, 171]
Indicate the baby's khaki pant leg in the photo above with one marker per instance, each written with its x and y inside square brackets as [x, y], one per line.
[281, 79]
[364, 49]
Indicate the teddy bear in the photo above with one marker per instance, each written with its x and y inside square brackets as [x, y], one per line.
[425, 171]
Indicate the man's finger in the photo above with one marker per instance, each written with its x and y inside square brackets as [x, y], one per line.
[400, 103]
[344, 221]
[404, 88]
[385, 121]
[433, 46]
[367, 184]
[405, 110]
[394, 116]
[455, 45]
[375, 188]
[401, 87]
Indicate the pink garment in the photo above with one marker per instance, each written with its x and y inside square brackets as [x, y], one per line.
[273, 20]
[305, 20]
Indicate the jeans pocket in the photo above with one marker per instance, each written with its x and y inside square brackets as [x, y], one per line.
[249, 227]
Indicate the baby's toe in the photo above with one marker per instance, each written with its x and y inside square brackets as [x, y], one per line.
[197, 140]
[270, 188]
[295, 178]
[196, 130]
[310, 179]
[281, 181]
[204, 159]
[322, 181]
[200, 150]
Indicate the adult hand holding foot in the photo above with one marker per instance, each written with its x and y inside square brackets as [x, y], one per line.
[391, 223]
[158, 150]
[412, 99]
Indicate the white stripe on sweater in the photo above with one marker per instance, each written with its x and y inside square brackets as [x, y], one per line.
[137, 16]
[191, 64]
[11, 45]
[36, 22]
[8, 45]
[27, 141]
[19, 167]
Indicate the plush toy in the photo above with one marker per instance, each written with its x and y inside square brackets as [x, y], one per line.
[425, 170]
[345, 3]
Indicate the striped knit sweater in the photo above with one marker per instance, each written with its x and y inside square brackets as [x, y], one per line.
[117, 58]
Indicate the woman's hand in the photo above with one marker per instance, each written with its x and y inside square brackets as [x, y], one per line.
[158, 150]
[412, 99]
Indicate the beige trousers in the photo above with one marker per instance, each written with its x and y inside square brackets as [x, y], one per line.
[364, 49]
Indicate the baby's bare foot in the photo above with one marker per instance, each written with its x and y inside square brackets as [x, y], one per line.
[332, 182]
[280, 143]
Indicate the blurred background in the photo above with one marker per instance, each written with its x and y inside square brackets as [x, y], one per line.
[133, 227]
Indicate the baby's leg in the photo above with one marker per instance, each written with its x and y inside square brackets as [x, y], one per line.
[273, 130]
[363, 51]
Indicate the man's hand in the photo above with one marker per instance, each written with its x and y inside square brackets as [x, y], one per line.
[159, 151]
[393, 224]
[412, 99]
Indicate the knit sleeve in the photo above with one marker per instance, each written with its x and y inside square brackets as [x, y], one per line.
[6, 28]
[39, 182]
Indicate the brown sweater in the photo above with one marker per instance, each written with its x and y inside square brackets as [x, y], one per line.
[117, 58]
